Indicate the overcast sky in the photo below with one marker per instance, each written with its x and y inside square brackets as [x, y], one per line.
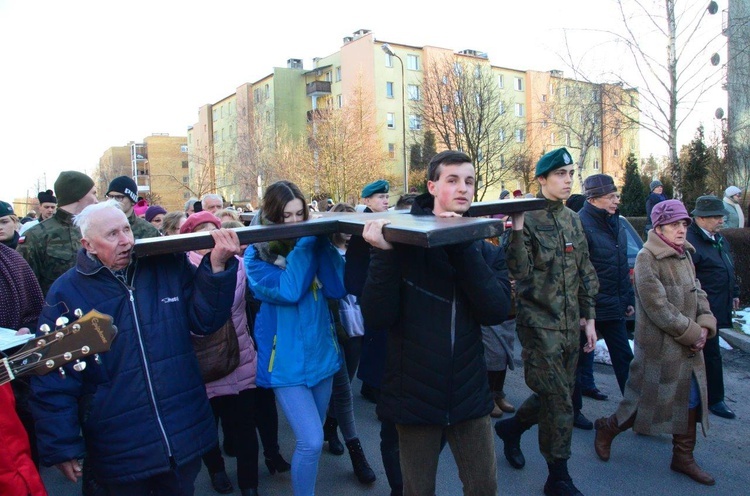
[81, 76]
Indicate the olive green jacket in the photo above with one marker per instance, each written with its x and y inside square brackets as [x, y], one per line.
[50, 247]
[142, 228]
[556, 284]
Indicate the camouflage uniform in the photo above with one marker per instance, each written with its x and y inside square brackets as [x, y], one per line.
[556, 285]
[141, 227]
[50, 247]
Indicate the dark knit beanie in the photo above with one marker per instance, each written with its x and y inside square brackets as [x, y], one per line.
[46, 197]
[71, 186]
[125, 186]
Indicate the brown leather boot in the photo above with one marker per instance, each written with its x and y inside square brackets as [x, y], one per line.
[606, 430]
[683, 446]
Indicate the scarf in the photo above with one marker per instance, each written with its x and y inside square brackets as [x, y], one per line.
[679, 249]
[274, 252]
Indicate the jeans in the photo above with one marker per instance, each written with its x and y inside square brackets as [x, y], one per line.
[305, 410]
[473, 448]
[341, 406]
[179, 481]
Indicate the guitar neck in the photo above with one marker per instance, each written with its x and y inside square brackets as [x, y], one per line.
[5, 374]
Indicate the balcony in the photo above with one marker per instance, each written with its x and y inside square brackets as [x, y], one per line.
[318, 88]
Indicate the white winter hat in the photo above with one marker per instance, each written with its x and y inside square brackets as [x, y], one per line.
[731, 191]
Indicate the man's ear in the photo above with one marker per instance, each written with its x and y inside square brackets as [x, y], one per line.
[431, 187]
[87, 246]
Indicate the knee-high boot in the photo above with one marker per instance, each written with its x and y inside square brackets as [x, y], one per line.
[606, 430]
[683, 446]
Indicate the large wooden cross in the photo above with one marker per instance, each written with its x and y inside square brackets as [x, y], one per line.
[420, 230]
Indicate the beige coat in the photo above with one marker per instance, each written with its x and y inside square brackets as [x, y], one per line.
[671, 308]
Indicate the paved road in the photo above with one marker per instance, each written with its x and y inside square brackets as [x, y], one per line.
[639, 464]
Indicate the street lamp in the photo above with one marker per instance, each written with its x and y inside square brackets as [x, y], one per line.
[387, 49]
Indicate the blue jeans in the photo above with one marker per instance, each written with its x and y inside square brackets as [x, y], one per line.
[305, 410]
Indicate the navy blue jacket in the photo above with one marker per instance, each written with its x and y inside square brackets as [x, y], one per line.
[608, 251]
[432, 301]
[147, 399]
[714, 268]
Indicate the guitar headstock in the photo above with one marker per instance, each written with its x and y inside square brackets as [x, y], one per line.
[90, 334]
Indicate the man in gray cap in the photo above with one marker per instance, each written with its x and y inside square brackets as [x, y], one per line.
[124, 190]
[50, 247]
[714, 268]
[734, 217]
[615, 300]
[656, 196]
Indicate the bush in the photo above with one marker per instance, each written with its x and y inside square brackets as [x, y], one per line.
[639, 224]
[739, 240]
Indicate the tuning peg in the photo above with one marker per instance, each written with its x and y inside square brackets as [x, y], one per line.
[98, 359]
[61, 321]
[62, 372]
[78, 312]
[79, 366]
[44, 328]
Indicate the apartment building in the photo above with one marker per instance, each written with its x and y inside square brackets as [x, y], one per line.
[158, 165]
[228, 146]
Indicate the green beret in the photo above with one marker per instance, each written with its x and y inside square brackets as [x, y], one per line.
[379, 186]
[553, 160]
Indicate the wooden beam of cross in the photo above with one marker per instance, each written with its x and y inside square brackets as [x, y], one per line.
[420, 230]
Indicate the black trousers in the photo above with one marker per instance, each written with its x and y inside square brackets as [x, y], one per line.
[714, 370]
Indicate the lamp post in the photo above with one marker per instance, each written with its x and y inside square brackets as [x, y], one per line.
[387, 49]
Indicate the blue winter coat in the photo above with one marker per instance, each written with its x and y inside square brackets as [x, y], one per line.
[608, 251]
[147, 399]
[294, 333]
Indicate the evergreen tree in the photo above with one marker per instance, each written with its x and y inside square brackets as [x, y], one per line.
[695, 159]
[429, 148]
[633, 199]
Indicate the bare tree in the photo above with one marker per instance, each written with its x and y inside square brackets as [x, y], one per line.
[671, 83]
[462, 104]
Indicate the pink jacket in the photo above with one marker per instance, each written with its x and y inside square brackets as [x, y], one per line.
[243, 377]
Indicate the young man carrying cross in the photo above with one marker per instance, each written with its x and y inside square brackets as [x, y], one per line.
[432, 302]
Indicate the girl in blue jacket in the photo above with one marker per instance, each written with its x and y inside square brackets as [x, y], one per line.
[298, 352]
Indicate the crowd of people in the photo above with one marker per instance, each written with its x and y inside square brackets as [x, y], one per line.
[429, 331]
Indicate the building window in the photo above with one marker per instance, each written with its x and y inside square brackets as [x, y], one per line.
[415, 123]
[413, 91]
[616, 152]
[268, 91]
[544, 98]
[412, 62]
[185, 164]
[518, 83]
[595, 95]
[391, 150]
[544, 123]
[501, 135]
[390, 120]
[566, 91]
[596, 142]
[340, 100]
[519, 110]
[568, 141]
[216, 114]
[520, 135]
[596, 165]
[389, 89]
[185, 179]
[501, 109]
[500, 81]
[502, 160]
[216, 136]
[183, 148]
[552, 138]
[338, 74]
[329, 76]
[185, 195]
[388, 60]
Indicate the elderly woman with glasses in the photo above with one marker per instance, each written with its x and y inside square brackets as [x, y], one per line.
[666, 390]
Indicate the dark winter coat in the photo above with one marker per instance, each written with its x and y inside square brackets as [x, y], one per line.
[714, 268]
[433, 301]
[608, 250]
[148, 401]
[670, 308]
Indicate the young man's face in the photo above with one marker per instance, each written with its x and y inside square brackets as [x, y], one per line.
[377, 202]
[556, 186]
[48, 209]
[454, 189]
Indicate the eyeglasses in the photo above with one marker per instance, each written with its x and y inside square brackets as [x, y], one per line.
[118, 198]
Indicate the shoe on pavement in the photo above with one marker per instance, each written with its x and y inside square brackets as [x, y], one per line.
[505, 405]
[580, 421]
[221, 483]
[510, 432]
[560, 487]
[722, 410]
[496, 412]
[595, 394]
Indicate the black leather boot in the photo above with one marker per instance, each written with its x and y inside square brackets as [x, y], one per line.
[510, 432]
[362, 469]
[330, 434]
[559, 482]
